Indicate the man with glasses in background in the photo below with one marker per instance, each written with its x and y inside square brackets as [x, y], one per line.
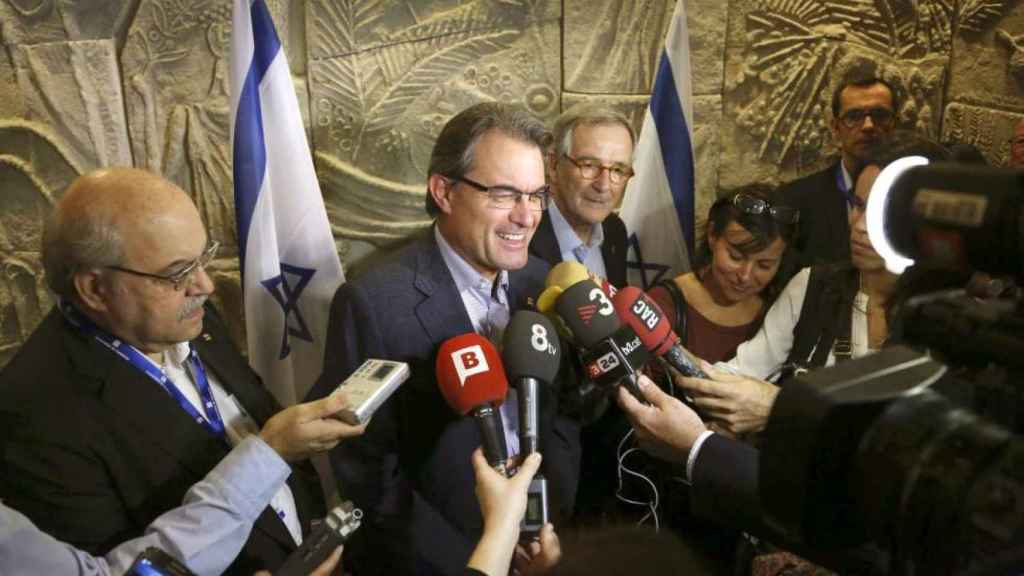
[1016, 143]
[588, 167]
[411, 472]
[864, 111]
[131, 390]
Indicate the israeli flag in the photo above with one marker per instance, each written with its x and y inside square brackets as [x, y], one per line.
[290, 267]
[659, 203]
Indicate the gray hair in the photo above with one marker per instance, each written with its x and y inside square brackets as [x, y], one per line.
[72, 245]
[587, 114]
[454, 151]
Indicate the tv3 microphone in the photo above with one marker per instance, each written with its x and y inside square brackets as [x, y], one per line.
[561, 277]
[531, 352]
[472, 379]
[644, 315]
[613, 351]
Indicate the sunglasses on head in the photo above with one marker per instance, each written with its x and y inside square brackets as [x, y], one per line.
[754, 205]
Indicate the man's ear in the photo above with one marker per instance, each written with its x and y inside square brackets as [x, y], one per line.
[440, 189]
[551, 165]
[834, 127]
[92, 293]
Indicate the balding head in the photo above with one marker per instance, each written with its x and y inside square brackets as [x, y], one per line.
[104, 215]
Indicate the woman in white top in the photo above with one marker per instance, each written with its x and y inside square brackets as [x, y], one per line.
[824, 312]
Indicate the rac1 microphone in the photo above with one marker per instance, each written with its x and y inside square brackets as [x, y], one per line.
[531, 354]
[472, 379]
[614, 352]
[648, 321]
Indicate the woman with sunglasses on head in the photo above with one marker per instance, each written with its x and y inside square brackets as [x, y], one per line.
[721, 303]
[826, 313]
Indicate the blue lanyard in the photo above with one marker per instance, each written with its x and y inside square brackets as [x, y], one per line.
[212, 421]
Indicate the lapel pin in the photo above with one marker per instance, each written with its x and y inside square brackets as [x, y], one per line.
[207, 337]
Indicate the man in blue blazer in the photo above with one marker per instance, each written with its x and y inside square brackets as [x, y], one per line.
[411, 472]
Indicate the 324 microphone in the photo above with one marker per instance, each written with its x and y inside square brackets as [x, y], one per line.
[531, 354]
[614, 353]
[645, 317]
[471, 378]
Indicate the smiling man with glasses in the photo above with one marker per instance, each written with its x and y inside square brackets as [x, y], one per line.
[865, 108]
[588, 169]
[411, 473]
[131, 390]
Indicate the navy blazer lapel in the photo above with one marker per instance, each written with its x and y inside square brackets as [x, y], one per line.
[139, 401]
[544, 243]
[441, 313]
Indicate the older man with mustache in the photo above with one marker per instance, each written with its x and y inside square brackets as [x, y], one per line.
[130, 390]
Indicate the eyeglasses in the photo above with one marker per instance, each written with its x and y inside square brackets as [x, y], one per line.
[591, 169]
[1016, 141]
[506, 197]
[855, 117]
[755, 205]
[182, 277]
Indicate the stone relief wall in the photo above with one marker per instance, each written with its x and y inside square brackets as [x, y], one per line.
[90, 83]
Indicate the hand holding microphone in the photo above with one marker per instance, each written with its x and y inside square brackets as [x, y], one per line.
[472, 379]
[646, 318]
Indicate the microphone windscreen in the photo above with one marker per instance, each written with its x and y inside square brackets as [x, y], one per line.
[566, 274]
[547, 298]
[645, 317]
[588, 313]
[470, 373]
[531, 347]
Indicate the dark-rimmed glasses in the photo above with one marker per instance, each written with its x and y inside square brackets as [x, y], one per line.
[855, 117]
[1016, 141]
[591, 169]
[754, 205]
[506, 197]
[183, 277]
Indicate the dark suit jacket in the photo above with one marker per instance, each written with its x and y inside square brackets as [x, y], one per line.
[823, 235]
[411, 471]
[724, 486]
[544, 245]
[93, 450]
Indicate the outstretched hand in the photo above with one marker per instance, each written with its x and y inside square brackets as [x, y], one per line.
[666, 428]
[736, 403]
[305, 429]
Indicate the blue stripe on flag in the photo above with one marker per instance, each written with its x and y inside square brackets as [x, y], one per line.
[250, 154]
[676, 148]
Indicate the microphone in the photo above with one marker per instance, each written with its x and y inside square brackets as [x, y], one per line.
[566, 274]
[614, 352]
[531, 354]
[645, 317]
[472, 379]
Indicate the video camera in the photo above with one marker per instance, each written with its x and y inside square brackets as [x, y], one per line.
[887, 456]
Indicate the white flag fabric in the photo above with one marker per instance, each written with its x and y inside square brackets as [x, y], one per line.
[289, 262]
[659, 205]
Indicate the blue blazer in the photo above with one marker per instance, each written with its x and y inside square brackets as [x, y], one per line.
[411, 471]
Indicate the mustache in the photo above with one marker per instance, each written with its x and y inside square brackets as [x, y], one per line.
[191, 305]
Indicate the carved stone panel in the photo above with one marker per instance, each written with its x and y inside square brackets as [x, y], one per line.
[987, 129]
[612, 46]
[46, 21]
[176, 82]
[382, 92]
[988, 63]
[74, 89]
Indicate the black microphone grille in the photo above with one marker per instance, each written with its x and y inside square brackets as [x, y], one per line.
[531, 347]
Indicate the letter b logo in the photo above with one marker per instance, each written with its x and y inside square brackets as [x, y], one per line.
[469, 361]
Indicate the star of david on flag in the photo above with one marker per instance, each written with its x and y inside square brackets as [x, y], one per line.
[289, 262]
